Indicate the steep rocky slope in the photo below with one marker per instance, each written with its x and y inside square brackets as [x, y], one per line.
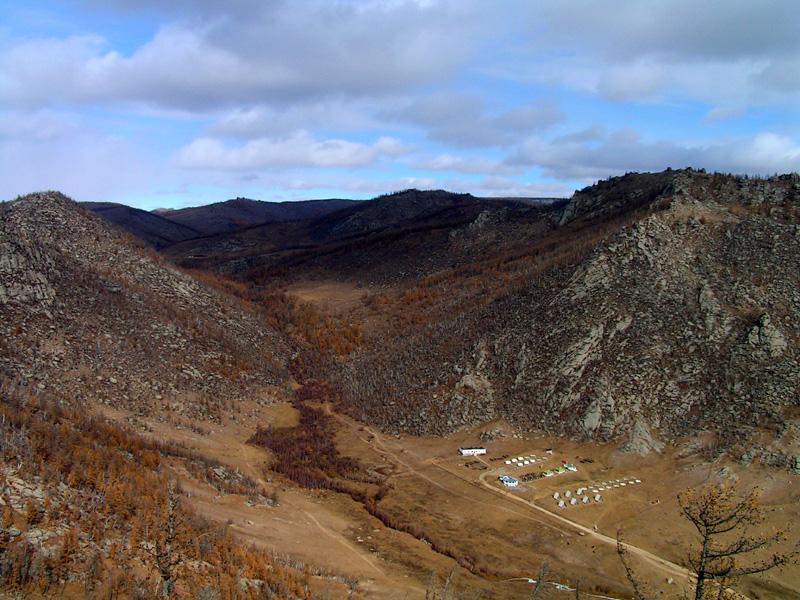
[89, 315]
[669, 303]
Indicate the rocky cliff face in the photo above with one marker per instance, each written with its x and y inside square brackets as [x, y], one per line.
[684, 316]
[90, 315]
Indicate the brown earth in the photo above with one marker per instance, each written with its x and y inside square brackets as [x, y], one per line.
[459, 500]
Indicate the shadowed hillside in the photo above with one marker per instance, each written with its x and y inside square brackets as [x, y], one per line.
[241, 213]
[154, 229]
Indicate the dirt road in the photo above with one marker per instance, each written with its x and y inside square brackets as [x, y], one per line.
[672, 569]
[376, 441]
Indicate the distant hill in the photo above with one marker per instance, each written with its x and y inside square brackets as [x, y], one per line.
[163, 228]
[241, 212]
[151, 227]
[388, 238]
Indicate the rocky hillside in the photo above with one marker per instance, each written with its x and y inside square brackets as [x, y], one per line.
[89, 315]
[649, 306]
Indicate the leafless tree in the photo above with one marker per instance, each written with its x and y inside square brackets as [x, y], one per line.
[165, 540]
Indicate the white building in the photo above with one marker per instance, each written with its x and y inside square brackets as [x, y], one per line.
[471, 451]
[509, 481]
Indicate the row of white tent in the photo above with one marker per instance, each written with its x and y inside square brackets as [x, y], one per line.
[617, 483]
[523, 460]
[574, 500]
[594, 490]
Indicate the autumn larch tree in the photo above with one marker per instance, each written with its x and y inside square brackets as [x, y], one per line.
[725, 520]
[732, 541]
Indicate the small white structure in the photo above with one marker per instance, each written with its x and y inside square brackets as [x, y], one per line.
[519, 458]
[574, 501]
[638, 481]
[526, 462]
[585, 500]
[598, 498]
[556, 496]
[580, 491]
[508, 462]
[509, 481]
[471, 451]
[561, 504]
[567, 494]
[514, 459]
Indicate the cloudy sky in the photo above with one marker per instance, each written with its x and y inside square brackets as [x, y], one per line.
[152, 103]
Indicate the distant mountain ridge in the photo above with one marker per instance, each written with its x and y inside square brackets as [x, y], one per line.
[243, 212]
[353, 239]
[162, 228]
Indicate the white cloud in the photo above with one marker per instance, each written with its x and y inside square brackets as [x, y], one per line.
[721, 113]
[37, 125]
[267, 88]
[298, 149]
[653, 49]
[620, 151]
[84, 164]
[332, 114]
[503, 187]
[463, 119]
[385, 186]
[467, 164]
[273, 54]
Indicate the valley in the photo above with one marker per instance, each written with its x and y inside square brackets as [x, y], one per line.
[507, 534]
[307, 380]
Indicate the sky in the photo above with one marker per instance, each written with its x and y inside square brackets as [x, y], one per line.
[183, 103]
